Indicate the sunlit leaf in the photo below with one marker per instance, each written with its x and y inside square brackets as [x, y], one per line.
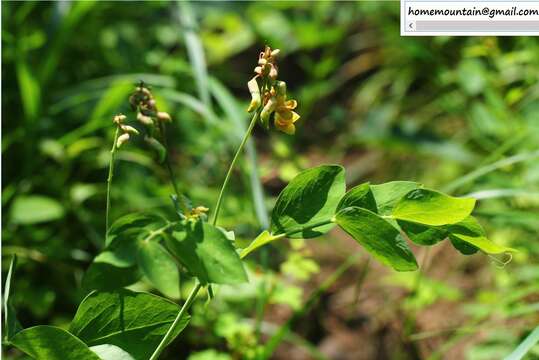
[378, 237]
[206, 253]
[111, 352]
[51, 343]
[430, 207]
[388, 194]
[359, 196]
[159, 267]
[133, 321]
[470, 232]
[311, 197]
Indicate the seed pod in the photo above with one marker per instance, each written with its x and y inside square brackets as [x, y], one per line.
[163, 116]
[146, 120]
[122, 139]
[129, 129]
[158, 147]
[255, 95]
[118, 119]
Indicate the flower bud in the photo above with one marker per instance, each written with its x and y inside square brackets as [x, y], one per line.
[163, 116]
[258, 70]
[275, 52]
[255, 94]
[146, 120]
[273, 72]
[262, 61]
[280, 88]
[129, 129]
[122, 139]
[268, 109]
[118, 119]
[151, 104]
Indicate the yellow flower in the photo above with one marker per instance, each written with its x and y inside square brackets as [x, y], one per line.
[284, 116]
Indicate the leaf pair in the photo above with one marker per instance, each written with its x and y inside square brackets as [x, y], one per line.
[374, 216]
[133, 250]
[120, 325]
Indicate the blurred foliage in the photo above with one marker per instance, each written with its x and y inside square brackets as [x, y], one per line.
[456, 113]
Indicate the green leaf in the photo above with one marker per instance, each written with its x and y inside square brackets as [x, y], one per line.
[35, 209]
[360, 196]
[430, 207]
[261, 240]
[130, 221]
[423, 234]
[51, 343]
[105, 276]
[111, 352]
[11, 324]
[376, 235]
[206, 253]
[130, 320]
[388, 194]
[471, 232]
[159, 267]
[463, 247]
[311, 197]
[525, 346]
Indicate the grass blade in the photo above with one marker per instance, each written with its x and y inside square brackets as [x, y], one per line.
[524, 346]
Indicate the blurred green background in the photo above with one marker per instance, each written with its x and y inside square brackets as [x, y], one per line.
[456, 113]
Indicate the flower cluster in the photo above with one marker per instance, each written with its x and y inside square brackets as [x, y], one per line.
[270, 94]
[143, 101]
[125, 129]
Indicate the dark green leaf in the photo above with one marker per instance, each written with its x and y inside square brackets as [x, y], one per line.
[135, 322]
[376, 235]
[111, 352]
[206, 253]
[159, 267]
[35, 209]
[51, 343]
[423, 234]
[130, 221]
[311, 197]
[104, 276]
[359, 196]
[463, 247]
[430, 207]
[471, 232]
[388, 194]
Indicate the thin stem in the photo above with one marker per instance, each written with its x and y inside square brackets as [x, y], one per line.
[233, 163]
[183, 310]
[180, 199]
[109, 179]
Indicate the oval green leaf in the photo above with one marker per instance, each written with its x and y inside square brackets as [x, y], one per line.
[51, 343]
[35, 209]
[206, 253]
[378, 237]
[311, 197]
[431, 207]
[471, 232]
[159, 267]
[132, 321]
[360, 196]
[388, 194]
[423, 234]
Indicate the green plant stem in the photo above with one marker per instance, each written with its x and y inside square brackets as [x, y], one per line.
[233, 163]
[165, 340]
[310, 227]
[109, 179]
